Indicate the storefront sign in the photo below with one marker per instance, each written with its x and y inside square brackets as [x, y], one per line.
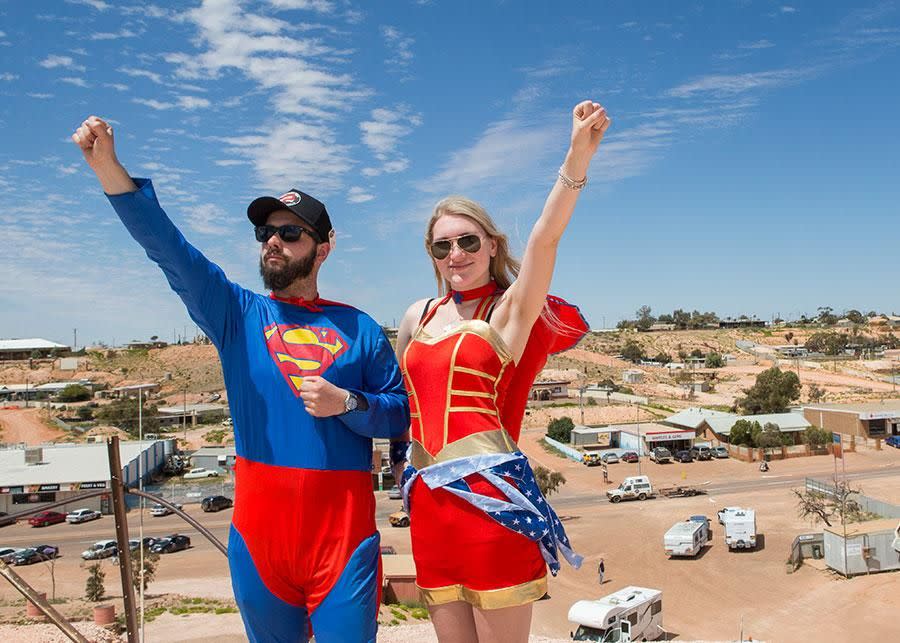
[12, 489]
[854, 549]
[667, 437]
[889, 415]
[93, 485]
[49, 487]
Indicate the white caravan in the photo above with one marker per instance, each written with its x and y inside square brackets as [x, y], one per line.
[633, 613]
[686, 538]
[739, 526]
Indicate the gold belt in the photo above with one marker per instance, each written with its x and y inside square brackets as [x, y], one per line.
[496, 441]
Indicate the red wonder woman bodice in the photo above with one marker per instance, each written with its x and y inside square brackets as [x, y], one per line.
[454, 381]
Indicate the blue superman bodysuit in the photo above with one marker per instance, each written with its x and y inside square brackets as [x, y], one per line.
[303, 549]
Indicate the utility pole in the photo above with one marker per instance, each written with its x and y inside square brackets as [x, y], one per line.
[74, 340]
[184, 412]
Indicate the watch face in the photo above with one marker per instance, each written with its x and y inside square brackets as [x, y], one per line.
[351, 402]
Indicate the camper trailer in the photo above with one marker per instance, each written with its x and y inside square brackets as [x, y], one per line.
[686, 538]
[739, 527]
[631, 614]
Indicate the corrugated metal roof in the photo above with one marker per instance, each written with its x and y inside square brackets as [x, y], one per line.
[216, 451]
[883, 406]
[784, 421]
[28, 344]
[695, 416]
[64, 463]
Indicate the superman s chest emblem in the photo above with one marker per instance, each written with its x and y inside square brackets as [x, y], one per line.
[301, 351]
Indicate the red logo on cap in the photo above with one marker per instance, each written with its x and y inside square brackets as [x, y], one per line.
[290, 198]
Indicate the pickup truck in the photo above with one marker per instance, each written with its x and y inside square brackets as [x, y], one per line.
[632, 488]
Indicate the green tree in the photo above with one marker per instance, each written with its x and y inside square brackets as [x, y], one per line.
[816, 394]
[548, 481]
[827, 316]
[714, 360]
[855, 316]
[74, 393]
[644, 318]
[84, 413]
[124, 414]
[151, 561]
[560, 429]
[773, 392]
[828, 342]
[816, 437]
[93, 588]
[770, 436]
[681, 318]
[632, 351]
[696, 353]
[744, 432]
[663, 358]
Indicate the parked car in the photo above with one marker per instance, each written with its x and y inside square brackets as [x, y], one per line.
[683, 456]
[36, 554]
[399, 519]
[82, 515]
[388, 550]
[629, 456]
[100, 549]
[609, 458]
[161, 510]
[5, 520]
[395, 493]
[215, 503]
[199, 473]
[169, 544]
[659, 455]
[720, 452]
[7, 553]
[893, 441]
[46, 518]
[701, 453]
[591, 459]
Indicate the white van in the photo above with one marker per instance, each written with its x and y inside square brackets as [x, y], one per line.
[633, 613]
[686, 538]
[739, 526]
[632, 488]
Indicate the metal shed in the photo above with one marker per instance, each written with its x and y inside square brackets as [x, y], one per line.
[868, 546]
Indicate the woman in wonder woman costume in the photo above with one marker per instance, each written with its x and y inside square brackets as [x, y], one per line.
[482, 533]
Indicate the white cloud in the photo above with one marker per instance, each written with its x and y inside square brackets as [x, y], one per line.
[192, 102]
[78, 82]
[206, 218]
[383, 133]
[788, 9]
[401, 49]
[143, 73]
[8, 77]
[152, 102]
[230, 162]
[726, 85]
[79, 51]
[72, 168]
[293, 153]
[759, 44]
[184, 102]
[39, 95]
[322, 6]
[107, 35]
[96, 4]
[66, 62]
[359, 195]
[117, 86]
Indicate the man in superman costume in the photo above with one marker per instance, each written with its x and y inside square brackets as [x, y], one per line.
[310, 383]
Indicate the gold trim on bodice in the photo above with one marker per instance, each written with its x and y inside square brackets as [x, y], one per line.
[475, 326]
[498, 441]
[487, 599]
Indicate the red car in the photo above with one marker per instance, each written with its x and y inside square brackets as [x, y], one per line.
[46, 518]
[629, 456]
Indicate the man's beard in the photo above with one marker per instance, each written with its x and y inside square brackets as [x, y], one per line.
[280, 277]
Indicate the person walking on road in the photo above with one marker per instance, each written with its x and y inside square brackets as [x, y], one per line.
[601, 572]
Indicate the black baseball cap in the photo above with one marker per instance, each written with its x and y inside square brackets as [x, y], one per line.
[308, 208]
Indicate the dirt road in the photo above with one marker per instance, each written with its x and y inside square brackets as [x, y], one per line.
[26, 425]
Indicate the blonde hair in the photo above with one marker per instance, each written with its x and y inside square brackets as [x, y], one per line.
[504, 268]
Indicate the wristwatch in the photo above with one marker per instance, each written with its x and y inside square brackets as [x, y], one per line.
[351, 403]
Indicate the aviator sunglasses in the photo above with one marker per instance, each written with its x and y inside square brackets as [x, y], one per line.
[470, 243]
[287, 233]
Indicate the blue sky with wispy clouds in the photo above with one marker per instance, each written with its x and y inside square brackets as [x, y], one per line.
[751, 167]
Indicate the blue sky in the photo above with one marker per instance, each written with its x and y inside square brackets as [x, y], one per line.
[751, 168]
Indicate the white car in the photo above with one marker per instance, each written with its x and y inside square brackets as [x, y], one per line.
[100, 549]
[8, 553]
[82, 515]
[395, 493]
[200, 472]
[161, 510]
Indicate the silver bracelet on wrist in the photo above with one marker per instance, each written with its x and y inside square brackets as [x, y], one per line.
[572, 184]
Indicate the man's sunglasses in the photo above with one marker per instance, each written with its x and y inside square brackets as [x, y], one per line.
[287, 233]
[470, 243]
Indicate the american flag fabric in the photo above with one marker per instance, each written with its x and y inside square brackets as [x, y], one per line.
[525, 510]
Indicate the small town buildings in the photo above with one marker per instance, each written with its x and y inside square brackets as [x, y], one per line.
[861, 548]
[863, 419]
[33, 476]
[17, 392]
[632, 376]
[549, 390]
[215, 458]
[132, 390]
[695, 419]
[793, 424]
[192, 414]
[27, 348]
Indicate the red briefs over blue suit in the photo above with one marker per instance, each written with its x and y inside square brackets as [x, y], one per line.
[481, 530]
[303, 549]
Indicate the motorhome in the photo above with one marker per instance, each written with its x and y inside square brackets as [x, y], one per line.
[632, 488]
[739, 526]
[686, 538]
[631, 614]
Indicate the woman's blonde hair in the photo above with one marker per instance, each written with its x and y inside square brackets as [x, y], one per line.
[504, 268]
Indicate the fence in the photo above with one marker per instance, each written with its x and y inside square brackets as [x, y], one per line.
[188, 493]
[568, 451]
[866, 503]
[805, 546]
